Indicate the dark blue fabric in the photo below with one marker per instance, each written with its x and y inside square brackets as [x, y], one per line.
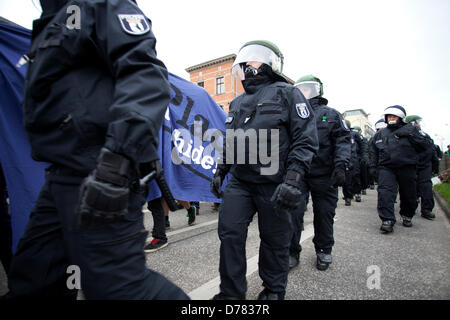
[188, 181]
[24, 177]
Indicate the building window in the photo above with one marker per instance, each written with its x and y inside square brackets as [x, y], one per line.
[201, 84]
[352, 113]
[220, 85]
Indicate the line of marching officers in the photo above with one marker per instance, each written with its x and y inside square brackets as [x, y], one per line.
[338, 156]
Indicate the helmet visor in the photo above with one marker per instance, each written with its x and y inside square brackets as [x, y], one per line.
[380, 125]
[255, 53]
[310, 89]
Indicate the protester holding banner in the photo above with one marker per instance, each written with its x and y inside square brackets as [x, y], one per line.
[270, 115]
[159, 240]
[89, 114]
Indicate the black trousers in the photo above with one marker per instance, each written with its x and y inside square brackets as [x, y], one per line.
[364, 175]
[241, 200]
[324, 200]
[110, 258]
[425, 188]
[352, 183]
[390, 180]
[159, 220]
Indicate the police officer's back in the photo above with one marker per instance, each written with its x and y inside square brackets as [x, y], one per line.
[426, 165]
[327, 171]
[352, 186]
[95, 96]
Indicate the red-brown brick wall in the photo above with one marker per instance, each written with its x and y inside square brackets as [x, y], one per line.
[209, 74]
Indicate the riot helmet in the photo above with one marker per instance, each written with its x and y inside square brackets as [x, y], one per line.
[348, 123]
[397, 111]
[310, 86]
[414, 120]
[257, 51]
[380, 124]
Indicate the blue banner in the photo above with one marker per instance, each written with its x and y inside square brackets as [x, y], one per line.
[193, 124]
[193, 128]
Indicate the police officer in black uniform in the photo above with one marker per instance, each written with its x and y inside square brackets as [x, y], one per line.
[283, 122]
[427, 161]
[326, 173]
[373, 174]
[363, 164]
[395, 151]
[352, 186]
[95, 96]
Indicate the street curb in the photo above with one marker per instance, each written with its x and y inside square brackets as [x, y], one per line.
[442, 203]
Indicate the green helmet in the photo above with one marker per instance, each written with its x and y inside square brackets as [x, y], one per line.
[357, 128]
[349, 124]
[310, 86]
[258, 51]
[413, 118]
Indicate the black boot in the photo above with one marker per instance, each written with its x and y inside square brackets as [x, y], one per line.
[348, 201]
[294, 259]
[407, 222]
[221, 296]
[268, 295]
[387, 226]
[358, 197]
[428, 215]
[323, 261]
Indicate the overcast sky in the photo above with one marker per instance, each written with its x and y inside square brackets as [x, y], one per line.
[369, 54]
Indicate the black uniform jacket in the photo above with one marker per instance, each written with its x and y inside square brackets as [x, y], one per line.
[359, 148]
[94, 81]
[389, 150]
[334, 139]
[274, 106]
[428, 157]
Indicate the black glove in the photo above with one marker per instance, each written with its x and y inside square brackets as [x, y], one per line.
[338, 176]
[287, 194]
[216, 183]
[104, 193]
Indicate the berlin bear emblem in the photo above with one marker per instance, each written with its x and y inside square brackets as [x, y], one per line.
[135, 24]
[302, 110]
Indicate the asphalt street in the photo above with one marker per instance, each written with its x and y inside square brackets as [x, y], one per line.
[408, 264]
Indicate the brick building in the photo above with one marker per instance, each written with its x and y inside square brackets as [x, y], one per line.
[215, 77]
[358, 117]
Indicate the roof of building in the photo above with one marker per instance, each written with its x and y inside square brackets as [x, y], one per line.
[365, 113]
[229, 57]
